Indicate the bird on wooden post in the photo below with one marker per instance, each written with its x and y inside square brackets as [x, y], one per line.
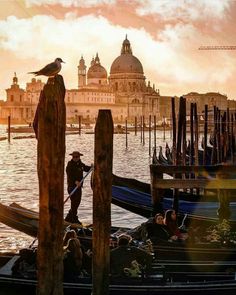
[50, 70]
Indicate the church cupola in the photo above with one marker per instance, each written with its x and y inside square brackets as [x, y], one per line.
[97, 74]
[15, 79]
[126, 47]
[97, 60]
[81, 73]
[92, 62]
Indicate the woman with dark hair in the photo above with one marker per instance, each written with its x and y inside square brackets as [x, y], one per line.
[170, 221]
[73, 259]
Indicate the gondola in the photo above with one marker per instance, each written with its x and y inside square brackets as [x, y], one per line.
[222, 284]
[140, 203]
[169, 277]
[27, 221]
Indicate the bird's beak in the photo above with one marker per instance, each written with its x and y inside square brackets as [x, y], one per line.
[63, 62]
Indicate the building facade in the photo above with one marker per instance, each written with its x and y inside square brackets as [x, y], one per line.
[124, 91]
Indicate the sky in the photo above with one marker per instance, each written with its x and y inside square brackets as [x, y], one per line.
[164, 34]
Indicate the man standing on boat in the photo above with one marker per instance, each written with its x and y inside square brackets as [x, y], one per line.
[74, 170]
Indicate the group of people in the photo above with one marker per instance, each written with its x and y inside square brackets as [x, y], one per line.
[125, 259]
[77, 260]
[165, 228]
[160, 228]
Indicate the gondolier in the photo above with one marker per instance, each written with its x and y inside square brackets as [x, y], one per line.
[74, 170]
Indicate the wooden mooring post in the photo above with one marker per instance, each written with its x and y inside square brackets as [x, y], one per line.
[79, 125]
[155, 134]
[135, 125]
[102, 184]
[51, 123]
[126, 134]
[150, 134]
[9, 128]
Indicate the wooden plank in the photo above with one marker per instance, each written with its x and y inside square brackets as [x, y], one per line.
[195, 183]
[231, 169]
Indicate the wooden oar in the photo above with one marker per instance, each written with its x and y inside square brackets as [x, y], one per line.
[82, 180]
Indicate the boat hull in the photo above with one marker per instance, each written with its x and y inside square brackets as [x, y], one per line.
[24, 286]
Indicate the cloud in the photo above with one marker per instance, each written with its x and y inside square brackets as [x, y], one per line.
[69, 3]
[170, 56]
[190, 9]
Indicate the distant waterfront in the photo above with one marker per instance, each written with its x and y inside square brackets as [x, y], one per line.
[19, 181]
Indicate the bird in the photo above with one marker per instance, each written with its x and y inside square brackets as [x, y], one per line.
[50, 70]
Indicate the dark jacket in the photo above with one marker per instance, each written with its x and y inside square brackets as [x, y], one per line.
[157, 232]
[122, 256]
[74, 171]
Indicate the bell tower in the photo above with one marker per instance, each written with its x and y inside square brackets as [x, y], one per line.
[81, 73]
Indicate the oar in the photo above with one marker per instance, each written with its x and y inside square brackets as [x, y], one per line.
[182, 224]
[82, 180]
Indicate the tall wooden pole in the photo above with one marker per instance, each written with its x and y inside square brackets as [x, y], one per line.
[180, 131]
[51, 124]
[9, 128]
[126, 134]
[143, 130]
[150, 134]
[173, 130]
[205, 135]
[191, 152]
[79, 125]
[184, 132]
[155, 135]
[103, 156]
[196, 134]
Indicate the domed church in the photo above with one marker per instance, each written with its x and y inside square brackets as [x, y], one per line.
[126, 74]
[124, 91]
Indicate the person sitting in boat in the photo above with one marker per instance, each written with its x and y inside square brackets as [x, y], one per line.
[73, 259]
[124, 257]
[170, 220]
[70, 234]
[26, 266]
[156, 230]
[87, 253]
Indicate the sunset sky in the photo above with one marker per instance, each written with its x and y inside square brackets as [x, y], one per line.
[165, 36]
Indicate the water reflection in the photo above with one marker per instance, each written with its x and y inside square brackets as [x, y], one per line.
[19, 181]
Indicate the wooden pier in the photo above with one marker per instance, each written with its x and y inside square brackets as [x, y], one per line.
[220, 178]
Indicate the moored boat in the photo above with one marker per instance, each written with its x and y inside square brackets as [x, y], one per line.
[160, 280]
[27, 222]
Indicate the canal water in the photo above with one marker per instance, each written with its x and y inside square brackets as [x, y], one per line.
[19, 180]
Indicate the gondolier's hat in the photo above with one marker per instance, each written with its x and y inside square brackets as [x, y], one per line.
[76, 153]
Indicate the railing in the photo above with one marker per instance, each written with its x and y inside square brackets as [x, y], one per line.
[221, 178]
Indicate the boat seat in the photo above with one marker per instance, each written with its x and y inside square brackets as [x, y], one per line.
[6, 269]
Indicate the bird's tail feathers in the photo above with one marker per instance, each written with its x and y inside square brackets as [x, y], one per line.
[35, 73]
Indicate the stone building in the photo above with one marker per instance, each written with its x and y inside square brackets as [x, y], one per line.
[210, 98]
[125, 91]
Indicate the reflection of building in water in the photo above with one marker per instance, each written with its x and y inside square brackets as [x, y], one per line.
[125, 92]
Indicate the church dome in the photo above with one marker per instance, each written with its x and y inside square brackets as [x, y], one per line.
[126, 62]
[96, 70]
